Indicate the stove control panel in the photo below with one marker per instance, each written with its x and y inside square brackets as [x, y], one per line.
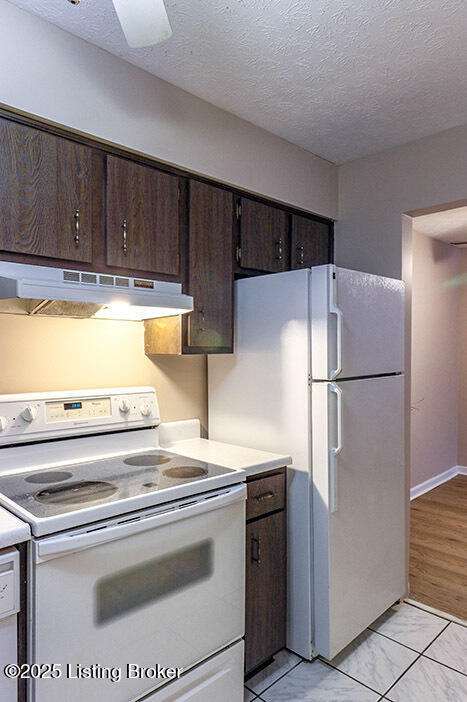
[60, 411]
[52, 415]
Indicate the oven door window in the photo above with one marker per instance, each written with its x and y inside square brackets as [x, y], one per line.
[151, 581]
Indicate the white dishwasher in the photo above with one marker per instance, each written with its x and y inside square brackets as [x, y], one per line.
[9, 607]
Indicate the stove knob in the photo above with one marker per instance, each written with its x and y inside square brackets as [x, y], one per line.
[124, 406]
[29, 414]
[145, 409]
[3, 423]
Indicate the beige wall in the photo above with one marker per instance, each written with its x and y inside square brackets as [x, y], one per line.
[462, 457]
[376, 190]
[435, 357]
[39, 354]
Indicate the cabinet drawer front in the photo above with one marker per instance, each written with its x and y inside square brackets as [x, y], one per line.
[265, 495]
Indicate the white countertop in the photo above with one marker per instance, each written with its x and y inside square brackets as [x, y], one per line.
[12, 530]
[184, 438]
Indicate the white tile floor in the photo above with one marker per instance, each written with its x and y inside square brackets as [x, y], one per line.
[407, 655]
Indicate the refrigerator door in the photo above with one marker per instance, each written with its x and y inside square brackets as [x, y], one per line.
[357, 324]
[358, 506]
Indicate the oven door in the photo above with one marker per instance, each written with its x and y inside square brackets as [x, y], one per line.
[164, 587]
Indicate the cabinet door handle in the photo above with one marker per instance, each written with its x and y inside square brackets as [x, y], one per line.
[124, 237]
[202, 326]
[300, 255]
[76, 218]
[279, 250]
[256, 550]
[264, 496]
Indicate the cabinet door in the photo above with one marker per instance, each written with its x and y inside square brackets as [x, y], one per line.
[45, 194]
[142, 218]
[311, 243]
[263, 235]
[265, 618]
[210, 274]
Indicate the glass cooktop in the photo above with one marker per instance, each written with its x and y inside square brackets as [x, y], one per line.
[46, 493]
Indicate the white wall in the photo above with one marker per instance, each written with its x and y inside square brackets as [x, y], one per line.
[53, 74]
[374, 192]
[435, 357]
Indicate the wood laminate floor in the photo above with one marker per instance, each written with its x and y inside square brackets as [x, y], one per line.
[438, 547]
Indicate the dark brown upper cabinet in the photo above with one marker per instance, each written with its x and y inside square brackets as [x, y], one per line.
[311, 242]
[69, 200]
[45, 194]
[210, 269]
[142, 220]
[263, 236]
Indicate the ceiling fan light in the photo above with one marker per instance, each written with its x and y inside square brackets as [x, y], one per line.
[144, 22]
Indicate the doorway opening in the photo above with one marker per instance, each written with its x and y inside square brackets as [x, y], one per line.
[437, 417]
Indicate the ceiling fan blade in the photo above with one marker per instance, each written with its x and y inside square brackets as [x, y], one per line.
[144, 22]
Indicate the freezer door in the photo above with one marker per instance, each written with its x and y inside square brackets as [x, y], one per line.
[358, 506]
[357, 322]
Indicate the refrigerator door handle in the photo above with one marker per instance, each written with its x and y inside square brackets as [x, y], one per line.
[334, 309]
[335, 450]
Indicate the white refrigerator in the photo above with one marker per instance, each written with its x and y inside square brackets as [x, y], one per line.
[317, 372]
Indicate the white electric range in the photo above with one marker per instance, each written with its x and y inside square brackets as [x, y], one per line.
[137, 557]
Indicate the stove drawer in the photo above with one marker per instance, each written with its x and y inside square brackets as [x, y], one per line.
[220, 678]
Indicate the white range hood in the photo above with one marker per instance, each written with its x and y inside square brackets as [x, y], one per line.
[59, 292]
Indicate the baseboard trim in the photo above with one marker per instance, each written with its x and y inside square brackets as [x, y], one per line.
[439, 479]
[433, 610]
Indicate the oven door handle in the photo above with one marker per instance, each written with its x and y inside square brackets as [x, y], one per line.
[64, 544]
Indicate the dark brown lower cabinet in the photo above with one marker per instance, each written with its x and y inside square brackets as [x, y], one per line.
[265, 611]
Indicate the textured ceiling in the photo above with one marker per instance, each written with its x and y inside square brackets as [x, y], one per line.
[449, 226]
[341, 78]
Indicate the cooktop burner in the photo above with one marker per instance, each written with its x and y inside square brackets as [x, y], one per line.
[48, 476]
[76, 493]
[185, 472]
[145, 459]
